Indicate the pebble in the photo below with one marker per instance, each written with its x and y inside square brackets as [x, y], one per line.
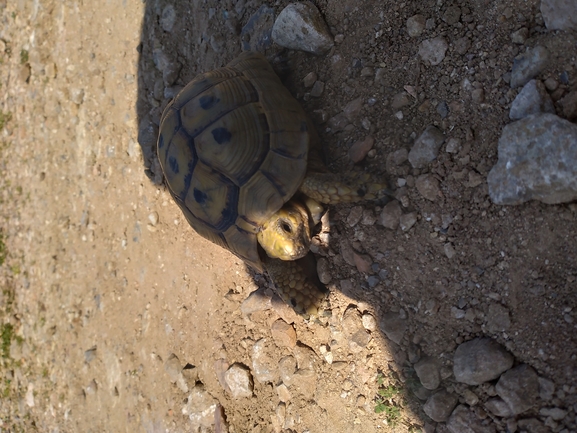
[478, 95]
[532, 99]
[407, 221]
[462, 45]
[264, 367]
[287, 367]
[428, 187]
[520, 36]
[300, 26]
[239, 381]
[283, 393]
[353, 109]
[443, 109]
[393, 326]
[200, 408]
[452, 15]
[546, 389]
[497, 318]
[168, 18]
[310, 79]
[318, 89]
[426, 147]
[498, 407]
[433, 50]
[528, 65]
[464, 420]
[449, 250]
[360, 149]
[416, 25]
[323, 270]
[369, 322]
[569, 105]
[453, 145]
[256, 301]
[283, 334]
[439, 406]
[519, 388]
[338, 122]
[428, 371]
[400, 100]
[480, 360]
[554, 412]
[537, 161]
[559, 14]
[256, 34]
[532, 425]
[354, 216]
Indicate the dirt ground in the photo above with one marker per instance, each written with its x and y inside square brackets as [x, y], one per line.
[107, 293]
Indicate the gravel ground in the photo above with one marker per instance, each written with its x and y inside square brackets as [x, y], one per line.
[447, 310]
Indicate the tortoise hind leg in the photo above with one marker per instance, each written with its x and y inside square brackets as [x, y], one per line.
[296, 285]
[330, 188]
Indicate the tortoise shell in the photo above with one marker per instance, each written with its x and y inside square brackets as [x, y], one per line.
[233, 146]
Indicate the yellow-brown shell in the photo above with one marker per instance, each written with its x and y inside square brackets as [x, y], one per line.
[233, 147]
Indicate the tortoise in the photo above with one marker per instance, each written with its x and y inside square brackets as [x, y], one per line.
[242, 161]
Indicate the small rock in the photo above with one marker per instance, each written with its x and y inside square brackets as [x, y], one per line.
[498, 318]
[443, 109]
[239, 381]
[283, 334]
[569, 105]
[359, 340]
[338, 122]
[300, 26]
[256, 301]
[428, 371]
[537, 161]
[551, 84]
[400, 100]
[362, 263]
[464, 420]
[353, 109]
[559, 14]
[452, 15]
[305, 381]
[426, 147]
[532, 99]
[318, 89]
[310, 79]
[554, 412]
[546, 389]
[428, 187]
[359, 149]
[498, 407]
[369, 322]
[390, 215]
[287, 367]
[323, 270]
[440, 405]
[168, 18]
[89, 355]
[393, 326]
[264, 367]
[416, 25]
[519, 388]
[200, 408]
[283, 393]
[478, 95]
[520, 36]
[480, 360]
[453, 145]
[462, 45]
[256, 35]
[532, 425]
[407, 221]
[449, 250]
[433, 50]
[528, 65]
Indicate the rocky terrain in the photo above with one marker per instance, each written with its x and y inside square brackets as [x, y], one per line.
[451, 307]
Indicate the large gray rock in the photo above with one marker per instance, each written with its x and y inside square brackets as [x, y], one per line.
[480, 360]
[537, 161]
[559, 14]
[300, 26]
[440, 405]
[464, 420]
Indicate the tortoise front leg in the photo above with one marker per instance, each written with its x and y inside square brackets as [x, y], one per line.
[295, 287]
[332, 189]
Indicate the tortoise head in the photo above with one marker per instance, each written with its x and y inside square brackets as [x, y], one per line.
[286, 235]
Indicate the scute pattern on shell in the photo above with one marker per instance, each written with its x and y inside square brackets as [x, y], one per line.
[233, 146]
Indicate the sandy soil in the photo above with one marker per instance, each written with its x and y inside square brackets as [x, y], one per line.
[107, 293]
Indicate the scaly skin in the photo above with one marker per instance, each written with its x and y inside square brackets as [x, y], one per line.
[295, 288]
[329, 188]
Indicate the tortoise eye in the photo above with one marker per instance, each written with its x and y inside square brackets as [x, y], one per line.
[286, 227]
